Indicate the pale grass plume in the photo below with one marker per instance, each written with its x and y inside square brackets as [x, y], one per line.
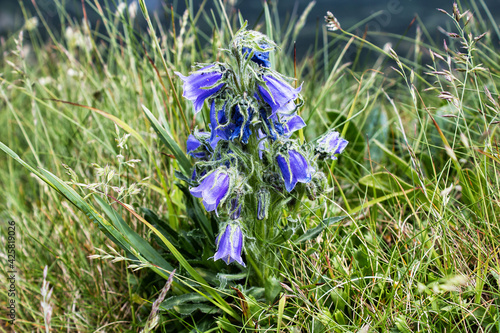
[45, 304]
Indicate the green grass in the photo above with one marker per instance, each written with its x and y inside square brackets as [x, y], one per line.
[419, 180]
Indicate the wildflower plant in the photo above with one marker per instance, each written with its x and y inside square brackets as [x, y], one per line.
[249, 168]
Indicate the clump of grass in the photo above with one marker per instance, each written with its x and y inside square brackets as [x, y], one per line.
[419, 181]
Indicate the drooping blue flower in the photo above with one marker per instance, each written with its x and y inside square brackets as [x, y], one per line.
[285, 126]
[295, 170]
[196, 86]
[293, 123]
[281, 95]
[229, 245]
[331, 144]
[259, 57]
[212, 189]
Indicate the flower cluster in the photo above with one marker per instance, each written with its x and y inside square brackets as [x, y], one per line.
[248, 159]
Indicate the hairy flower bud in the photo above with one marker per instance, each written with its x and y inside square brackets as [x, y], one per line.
[274, 180]
[263, 201]
[235, 208]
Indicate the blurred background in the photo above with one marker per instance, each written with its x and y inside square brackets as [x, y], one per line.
[394, 16]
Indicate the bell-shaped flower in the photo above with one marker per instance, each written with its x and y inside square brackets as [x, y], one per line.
[294, 169]
[331, 144]
[229, 245]
[293, 123]
[278, 94]
[200, 85]
[213, 189]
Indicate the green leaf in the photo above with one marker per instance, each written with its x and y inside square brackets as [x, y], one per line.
[170, 302]
[187, 309]
[139, 243]
[188, 303]
[312, 233]
[215, 297]
[196, 213]
[272, 288]
[169, 141]
[16, 157]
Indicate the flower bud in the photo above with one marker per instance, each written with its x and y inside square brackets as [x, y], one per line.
[235, 208]
[263, 200]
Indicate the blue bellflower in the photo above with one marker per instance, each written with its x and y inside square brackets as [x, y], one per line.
[293, 123]
[296, 170]
[229, 245]
[212, 189]
[331, 144]
[282, 94]
[195, 86]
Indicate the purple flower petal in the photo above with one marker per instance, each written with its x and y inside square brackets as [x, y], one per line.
[285, 172]
[205, 184]
[213, 188]
[297, 170]
[230, 244]
[259, 57]
[293, 124]
[194, 86]
[192, 143]
[299, 166]
[281, 93]
[218, 119]
[331, 144]
[218, 189]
